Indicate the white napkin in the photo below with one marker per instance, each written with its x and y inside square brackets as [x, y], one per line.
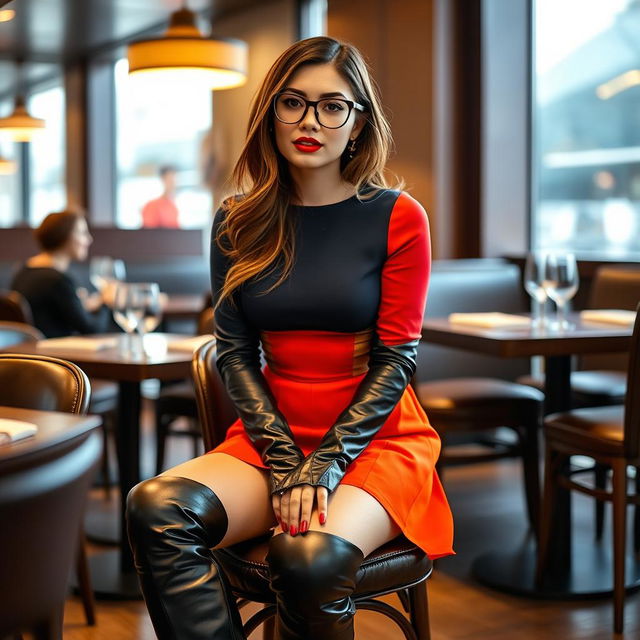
[81, 343]
[609, 316]
[189, 344]
[12, 430]
[489, 319]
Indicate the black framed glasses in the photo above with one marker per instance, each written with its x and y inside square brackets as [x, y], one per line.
[331, 113]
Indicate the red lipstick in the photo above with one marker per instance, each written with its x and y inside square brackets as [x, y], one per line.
[306, 145]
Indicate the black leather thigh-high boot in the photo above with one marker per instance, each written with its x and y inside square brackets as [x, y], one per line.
[313, 576]
[173, 522]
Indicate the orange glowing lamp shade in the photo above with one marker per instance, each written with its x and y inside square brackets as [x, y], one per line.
[6, 15]
[183, 53]
[7, 167]
[20, 126]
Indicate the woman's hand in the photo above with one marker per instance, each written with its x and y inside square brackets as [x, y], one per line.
[294, 507]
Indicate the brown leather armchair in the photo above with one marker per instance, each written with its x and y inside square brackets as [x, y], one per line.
[41, 500]
[397, 567]
[610, 435]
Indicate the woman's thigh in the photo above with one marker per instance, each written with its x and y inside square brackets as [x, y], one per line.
[358, 517]
[242, 489]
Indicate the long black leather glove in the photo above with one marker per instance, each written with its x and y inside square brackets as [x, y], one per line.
[390, 371]
[238, 360]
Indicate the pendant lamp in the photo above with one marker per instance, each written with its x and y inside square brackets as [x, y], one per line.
[184, 53]
[7, 167]
[20, 125]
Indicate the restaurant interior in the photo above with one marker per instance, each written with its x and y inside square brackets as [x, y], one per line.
[516, 124]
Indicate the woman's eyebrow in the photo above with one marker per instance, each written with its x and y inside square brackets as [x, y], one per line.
[332, 94]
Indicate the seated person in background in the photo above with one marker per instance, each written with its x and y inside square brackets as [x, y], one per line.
[162, 212]
[57, 308]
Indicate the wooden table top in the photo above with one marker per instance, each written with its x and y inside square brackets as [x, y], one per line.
[54, 428]
[161, 362]
[520, 342]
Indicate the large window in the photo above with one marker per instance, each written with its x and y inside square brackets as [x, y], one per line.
[158, 126]
[587, 127]
[47, 155]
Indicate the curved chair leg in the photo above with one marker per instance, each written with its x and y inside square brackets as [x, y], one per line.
[84, 582]
[619, 482]
[600, 482]
[105, 463]
[419, 611]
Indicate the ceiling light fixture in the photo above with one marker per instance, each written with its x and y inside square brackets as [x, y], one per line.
[7, 167]
[6, 15]
[21, 125]
[184, 53]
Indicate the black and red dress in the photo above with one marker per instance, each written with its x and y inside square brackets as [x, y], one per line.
[361, 272]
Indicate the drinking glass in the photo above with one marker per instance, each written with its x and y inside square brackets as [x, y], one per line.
[128, 311]
[561, 283]
[151, 307]
[534, 271]
[104, 270]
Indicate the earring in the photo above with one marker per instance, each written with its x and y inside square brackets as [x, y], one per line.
[352, 148]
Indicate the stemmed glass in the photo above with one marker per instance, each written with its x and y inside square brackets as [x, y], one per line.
[534, 275]
[151, 308]
[561, 283]
[128, 311]
[104, 271]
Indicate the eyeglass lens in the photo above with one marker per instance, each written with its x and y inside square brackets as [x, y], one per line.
[332, 112]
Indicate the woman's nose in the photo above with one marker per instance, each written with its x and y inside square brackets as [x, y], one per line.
[309, 119]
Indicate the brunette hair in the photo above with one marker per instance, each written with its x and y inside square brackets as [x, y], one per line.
[256, 233]
[56, 229]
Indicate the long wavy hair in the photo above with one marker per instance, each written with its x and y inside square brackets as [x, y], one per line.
[257, 233]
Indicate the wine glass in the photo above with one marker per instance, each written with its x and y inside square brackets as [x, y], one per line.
[104, 270]
[561, 283]
[534, 274]
[151, 307]
[128, 309]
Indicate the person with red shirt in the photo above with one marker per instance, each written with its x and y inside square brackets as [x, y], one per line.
[162, 211]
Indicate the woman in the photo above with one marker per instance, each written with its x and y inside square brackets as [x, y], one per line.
[50, 291]
[327, 268]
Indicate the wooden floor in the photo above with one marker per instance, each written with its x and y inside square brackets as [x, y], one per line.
[487, 504]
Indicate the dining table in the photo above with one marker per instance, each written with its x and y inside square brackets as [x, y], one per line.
[576, 569]
[166, 357]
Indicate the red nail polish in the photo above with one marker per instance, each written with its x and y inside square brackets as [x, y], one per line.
[304, 526]
[323, 518]
[284, 526]
[293, 530]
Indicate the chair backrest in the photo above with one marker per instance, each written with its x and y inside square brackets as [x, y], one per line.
[42, 496]
[40, 382]
[14, 308]
[42, 492]
[632, 399]
[12, 333]
[205, 321]
[215, 409]
[614, 287]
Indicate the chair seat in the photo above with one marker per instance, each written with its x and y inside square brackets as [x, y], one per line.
[395, 565]
[595, 388]
[178, 399]
[475, 394]
[593, 430]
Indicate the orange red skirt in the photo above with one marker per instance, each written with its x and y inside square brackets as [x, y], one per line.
[313, 375]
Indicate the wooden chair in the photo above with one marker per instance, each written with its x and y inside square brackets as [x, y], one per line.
[14, 308]
[609, 435]
[178, 400]
[398, 567]
[41, 503]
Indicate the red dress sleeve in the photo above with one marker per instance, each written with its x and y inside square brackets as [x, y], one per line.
[405, 274]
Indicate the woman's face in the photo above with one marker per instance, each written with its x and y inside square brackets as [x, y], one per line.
[79, 241]
[311, 82]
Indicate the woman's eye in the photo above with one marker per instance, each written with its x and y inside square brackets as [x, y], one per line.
[334, 106]
[293, 103]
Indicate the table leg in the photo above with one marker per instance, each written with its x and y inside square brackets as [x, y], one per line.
[112, 572]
